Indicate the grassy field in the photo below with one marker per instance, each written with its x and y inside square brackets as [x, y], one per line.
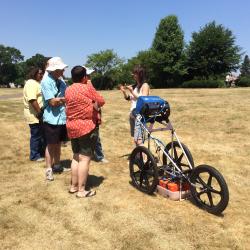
[35, 214]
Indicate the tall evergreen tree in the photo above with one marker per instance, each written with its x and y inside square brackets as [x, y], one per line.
[167, 53]
[245, 67]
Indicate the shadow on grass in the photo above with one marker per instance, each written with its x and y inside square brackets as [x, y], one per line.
[193, 202]
[65, 163]
[190, 199]
[132, 185]
[126, 155]
[94, 181]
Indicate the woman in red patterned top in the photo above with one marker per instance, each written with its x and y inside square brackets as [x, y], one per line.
[82, 104]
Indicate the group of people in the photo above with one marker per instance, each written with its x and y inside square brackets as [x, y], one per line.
[55, 112]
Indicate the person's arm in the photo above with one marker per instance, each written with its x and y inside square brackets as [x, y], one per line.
[145, 90]
[35, 105]
[123, 90]
[57, 101]
[49, 95]
[95, 97]
[32, 93]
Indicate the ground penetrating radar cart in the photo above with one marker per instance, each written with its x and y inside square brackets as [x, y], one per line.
[173, 161]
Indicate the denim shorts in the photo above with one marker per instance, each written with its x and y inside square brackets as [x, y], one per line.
[135, 127]
[85, 145]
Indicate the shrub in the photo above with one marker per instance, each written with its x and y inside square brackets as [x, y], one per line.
[243, 81]
[203, 84]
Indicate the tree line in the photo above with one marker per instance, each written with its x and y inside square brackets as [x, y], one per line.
[169, 62]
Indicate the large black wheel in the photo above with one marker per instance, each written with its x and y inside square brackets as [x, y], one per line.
[178, 156]
[210, 191]
[143, 170]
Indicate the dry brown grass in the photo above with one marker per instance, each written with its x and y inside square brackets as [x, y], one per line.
[35, 214]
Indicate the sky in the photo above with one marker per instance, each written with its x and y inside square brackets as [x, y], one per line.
[76, 29]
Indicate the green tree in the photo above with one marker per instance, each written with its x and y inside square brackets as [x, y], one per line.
[37, 60]
[106, 63]
[9, 58]
[166, 55]
[212, 52]
[143, 58]
[245, 67]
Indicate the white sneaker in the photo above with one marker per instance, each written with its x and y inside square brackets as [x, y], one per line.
[103, 160]
[49, 174]
[40, 159]
[66, 169]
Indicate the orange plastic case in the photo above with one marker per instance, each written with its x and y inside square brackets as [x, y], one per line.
[177, 195]
[171, 190]
[163, 183]
[173, 187]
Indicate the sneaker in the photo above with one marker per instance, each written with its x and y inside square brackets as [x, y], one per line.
[103, 160]
[66, 169]
[57, 169]
[40, 159]
[49, 174]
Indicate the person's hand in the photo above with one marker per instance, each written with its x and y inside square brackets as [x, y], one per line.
[122, 88]
[130, 88]
[96, 107]
[62, 99]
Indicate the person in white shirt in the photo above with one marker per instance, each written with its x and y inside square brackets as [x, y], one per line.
[141, 88]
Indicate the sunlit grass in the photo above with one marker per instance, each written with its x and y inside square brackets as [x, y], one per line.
[34, 214]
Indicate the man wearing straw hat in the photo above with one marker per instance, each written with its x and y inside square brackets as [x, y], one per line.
[54, 118]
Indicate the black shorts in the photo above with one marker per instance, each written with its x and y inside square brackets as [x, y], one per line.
[55, 134]
[85, 145]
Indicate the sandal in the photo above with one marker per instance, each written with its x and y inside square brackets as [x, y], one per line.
[72, 190]
[89, 193]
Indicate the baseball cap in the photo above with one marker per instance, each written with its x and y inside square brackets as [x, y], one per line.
[89, 71]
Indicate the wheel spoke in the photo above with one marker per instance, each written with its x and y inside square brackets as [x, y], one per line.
[209, 195]
[201, 181]
[137, 174]
[209, 181]
[150, 172]
[141, 178]
[142, 165]
[147, 163]
[184, 165]
[146, 180]
[180, 158]
[175, 154]
[137, 161]
[200, 193]
[140, 155]
[215, 191]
